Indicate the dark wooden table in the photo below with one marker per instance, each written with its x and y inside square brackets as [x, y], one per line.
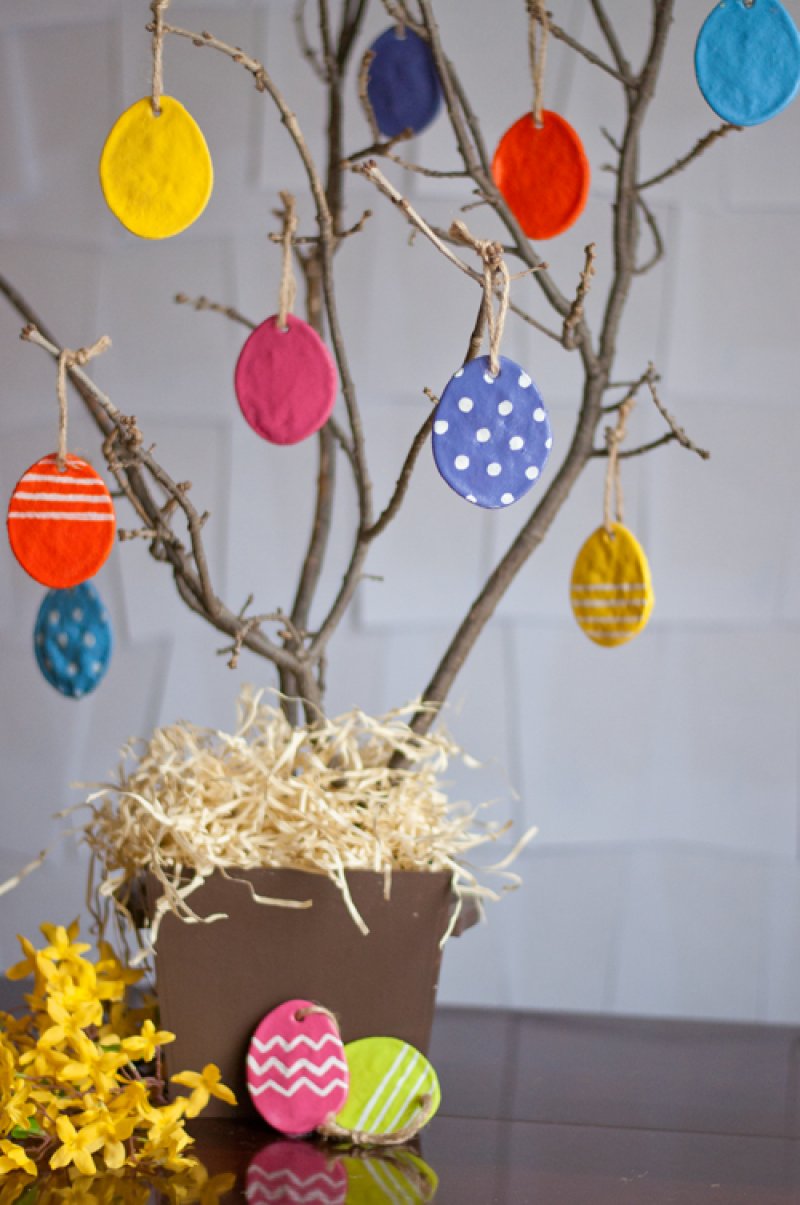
[556, 1109]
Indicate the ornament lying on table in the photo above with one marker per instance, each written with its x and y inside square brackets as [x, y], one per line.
[403, 86]
[72, 639]
[747, 60]
[155, 169]
[611, 589]
[285, 380]
[491, 434]
[296, 1069]
[394, 1092]
[61, 524]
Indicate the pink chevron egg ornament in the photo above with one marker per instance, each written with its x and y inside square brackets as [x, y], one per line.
[295, 1171]
[296, 1067]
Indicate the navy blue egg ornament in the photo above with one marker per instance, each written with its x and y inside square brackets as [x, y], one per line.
[403, 86]
[491, 434]
[72, 639]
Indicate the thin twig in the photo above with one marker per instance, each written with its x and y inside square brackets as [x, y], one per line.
[308, 51]
[404, 480]
[699, 147]
[658, 239]
[614, 44]
[678, 431]
[575, 315]
[562, 36]
[203, 303]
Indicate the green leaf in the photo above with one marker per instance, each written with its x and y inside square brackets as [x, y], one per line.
[33, 1130]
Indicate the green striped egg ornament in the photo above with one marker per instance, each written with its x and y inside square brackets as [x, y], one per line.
[396, 1175]
[388, 1079]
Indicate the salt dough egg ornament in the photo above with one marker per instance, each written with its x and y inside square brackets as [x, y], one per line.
[491, 435]
[747, 60]
[403, 86]
[285, 381]
[155, 171]
[611, 588]
[296, 1171]
[543, 173]
[297, 1073]
[61, 525]
[379, 1180]
[388, 1079]
[72, 639]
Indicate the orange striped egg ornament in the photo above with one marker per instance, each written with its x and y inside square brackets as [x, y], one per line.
[611, 589]
[61, 524]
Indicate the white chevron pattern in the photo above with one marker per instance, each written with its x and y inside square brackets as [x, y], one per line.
[303, 1082]
[274, 1064]
[301, 1040]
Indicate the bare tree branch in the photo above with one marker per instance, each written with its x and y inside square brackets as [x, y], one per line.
[697, 150]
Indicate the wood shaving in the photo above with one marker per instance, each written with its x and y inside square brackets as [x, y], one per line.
[190, 801]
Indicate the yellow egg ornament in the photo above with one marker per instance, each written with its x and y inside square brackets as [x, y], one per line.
[611, 589]
[155, 169]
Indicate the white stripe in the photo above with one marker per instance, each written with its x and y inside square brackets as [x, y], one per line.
[604, 632]
[44, 497]
[303, 1082]
[289, 1069]
[360, 1124]
[59, 514]
[286, 1173]
[392, 1124]
[373, 1126]
[90, 482]
[258, 1192]
[605, 587]
[620, 600]
[384, 1182]
[631, 619]
[301, 1040]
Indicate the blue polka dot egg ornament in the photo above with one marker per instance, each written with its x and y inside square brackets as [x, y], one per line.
[747, 60]
[491, 434]
[403, 86]
[72, 639]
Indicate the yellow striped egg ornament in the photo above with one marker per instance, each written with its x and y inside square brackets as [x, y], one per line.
[611, 590]
[388, 1177]
[389, 1080]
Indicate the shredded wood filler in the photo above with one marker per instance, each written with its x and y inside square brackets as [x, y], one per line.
[190, 801]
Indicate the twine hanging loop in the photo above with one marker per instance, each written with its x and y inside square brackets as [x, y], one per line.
[613, 502]
[495, 276]
[288, 286]
[66, 360]
[537, 50]
[157, 8]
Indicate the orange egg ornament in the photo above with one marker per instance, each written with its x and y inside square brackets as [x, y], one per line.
[543, 173]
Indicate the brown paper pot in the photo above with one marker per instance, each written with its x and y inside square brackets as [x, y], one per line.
[215, 982]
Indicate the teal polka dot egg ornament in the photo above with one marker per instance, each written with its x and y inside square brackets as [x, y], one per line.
[72, 639]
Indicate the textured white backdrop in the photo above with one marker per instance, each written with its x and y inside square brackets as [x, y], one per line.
[663, 775]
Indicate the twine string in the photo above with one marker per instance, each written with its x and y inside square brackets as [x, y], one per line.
[66, 360]
[495, 271]
[157, 8]
[419, 1118]
[613, 501]
[288, 286]
[317, 1010]
[537, 50]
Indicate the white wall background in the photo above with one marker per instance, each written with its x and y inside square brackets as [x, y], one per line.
[663, 775]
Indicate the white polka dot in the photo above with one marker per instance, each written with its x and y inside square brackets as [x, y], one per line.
[482, 434]
[494, 469]
[506, 499]
[62, 639]
[440, 426]
[489, 379]
[97, 667]
[77, 693]
[89, 639]
[459, 373]
[465, 405]
[532, 473]
[77, 614]
[539, 415]
[548, 443]
[505, 408]
[516, 442]
[53, 617]
[524, 380]
[461, 462]
[72, 669]
[471, 498]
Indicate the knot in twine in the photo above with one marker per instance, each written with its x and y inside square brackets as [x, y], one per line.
[288, 286]
[494, 269]
[157, 8]
[537, 49]
[418, 1119]
[66, 360]
[613, 485]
